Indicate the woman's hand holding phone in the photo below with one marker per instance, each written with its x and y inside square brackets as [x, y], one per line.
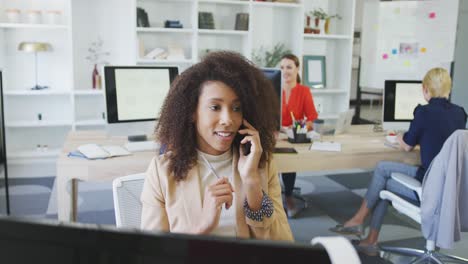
[249, 160]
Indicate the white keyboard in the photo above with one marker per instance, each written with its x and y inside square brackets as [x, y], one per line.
[142, 146]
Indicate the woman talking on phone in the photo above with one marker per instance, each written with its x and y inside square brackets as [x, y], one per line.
[216, 175]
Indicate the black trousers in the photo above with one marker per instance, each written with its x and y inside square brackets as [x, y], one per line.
[288, 180]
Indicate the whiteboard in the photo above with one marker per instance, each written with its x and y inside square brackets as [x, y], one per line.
[402, 40]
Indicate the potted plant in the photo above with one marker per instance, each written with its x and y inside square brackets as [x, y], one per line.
[269, 58]
[96, 56]
[322, 19]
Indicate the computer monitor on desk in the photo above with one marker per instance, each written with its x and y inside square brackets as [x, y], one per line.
[400, 99]
[134, 97]
[35, 242]
[274, 75]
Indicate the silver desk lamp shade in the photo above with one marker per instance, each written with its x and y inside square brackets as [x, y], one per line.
[35, 47]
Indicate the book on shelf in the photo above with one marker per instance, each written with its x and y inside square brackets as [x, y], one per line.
[157, 53]
[173, 24]
[142, 18]
[205, 20]
[242, 21]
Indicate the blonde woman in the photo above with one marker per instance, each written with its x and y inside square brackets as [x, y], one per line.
[432, 125]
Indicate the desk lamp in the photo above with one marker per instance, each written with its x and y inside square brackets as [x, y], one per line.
[35, 47]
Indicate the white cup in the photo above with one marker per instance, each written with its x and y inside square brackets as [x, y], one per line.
[13, 15]
[34, 16]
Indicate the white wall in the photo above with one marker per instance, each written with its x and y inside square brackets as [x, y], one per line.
[460, 78]
[357, 50]
[112, 27]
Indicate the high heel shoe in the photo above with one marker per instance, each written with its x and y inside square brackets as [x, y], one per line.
[357, 230]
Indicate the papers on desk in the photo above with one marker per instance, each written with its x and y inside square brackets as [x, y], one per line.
[391, 142]
[95, 151]
[326, 146]
[392, 145]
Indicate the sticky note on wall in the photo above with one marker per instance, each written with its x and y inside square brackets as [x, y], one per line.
[385, 56]
[423, 50]
[394, 51]
[432, 15]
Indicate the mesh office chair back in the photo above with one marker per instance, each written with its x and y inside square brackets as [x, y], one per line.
[126, 192]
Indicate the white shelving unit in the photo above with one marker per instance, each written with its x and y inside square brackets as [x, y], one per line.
[326, 36]
[175, 62]
[27, 25]
[34, 117]
[222, 32]
[337, 49]
[164, 30]
[89, 92]
[270, 23]
[71, 104]
[279, 4]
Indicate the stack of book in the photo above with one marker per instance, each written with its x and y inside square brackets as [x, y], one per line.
[205, 20]
[173, 24]
[142, 18]
[242, 21]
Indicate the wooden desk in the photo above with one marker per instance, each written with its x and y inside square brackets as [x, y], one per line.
[361, 148]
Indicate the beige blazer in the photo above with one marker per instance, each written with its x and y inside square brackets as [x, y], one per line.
[171, 206]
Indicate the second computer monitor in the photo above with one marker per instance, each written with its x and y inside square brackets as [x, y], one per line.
[400, 99]
[274, 75]
[136, 93]
[134, 97]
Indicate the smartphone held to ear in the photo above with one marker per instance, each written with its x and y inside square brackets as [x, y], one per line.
[246, 148]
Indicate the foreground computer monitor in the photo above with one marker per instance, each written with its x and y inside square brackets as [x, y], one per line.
[135, 94]
[400, 99]
[35, 242]
[274, 75]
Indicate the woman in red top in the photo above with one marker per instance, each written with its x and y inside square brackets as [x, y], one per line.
[297, 99]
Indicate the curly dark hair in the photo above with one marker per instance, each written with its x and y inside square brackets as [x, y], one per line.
[260, 106]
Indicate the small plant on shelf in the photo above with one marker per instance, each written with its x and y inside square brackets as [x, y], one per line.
[96, 54]
[322, 20]
[265, 58]
[319, 13]
[96, 57]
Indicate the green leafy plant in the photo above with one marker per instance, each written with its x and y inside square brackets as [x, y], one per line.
[270, 58]
[321, 14]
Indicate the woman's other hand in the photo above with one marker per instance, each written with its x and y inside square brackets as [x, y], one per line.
[216, 195]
